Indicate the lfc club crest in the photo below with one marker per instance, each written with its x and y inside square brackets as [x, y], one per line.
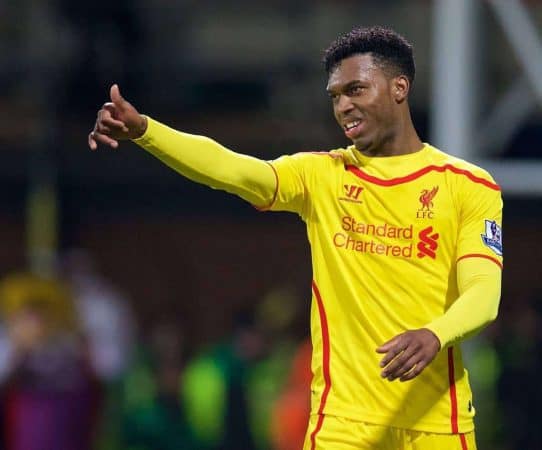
[426, 199]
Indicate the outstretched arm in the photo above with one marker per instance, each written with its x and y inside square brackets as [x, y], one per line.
[196, 157]
[479, 282]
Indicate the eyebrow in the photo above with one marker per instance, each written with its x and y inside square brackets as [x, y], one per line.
[346, 86]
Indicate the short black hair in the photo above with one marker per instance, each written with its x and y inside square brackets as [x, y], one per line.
[388, 48]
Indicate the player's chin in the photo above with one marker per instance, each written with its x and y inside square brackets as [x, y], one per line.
[362, 143]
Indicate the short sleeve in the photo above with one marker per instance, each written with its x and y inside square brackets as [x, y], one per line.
[292, 191]
[480, 220]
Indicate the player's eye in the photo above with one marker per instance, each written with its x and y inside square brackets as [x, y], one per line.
[356, 90]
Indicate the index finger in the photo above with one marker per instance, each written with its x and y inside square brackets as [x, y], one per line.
[387, 346]
[106, 114]
[392, 349]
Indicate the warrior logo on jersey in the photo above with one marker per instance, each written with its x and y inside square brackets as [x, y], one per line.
[426, 199]
[493, 236]
[352, 193]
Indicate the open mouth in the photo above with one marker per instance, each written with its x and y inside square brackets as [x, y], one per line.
[351, 125]
[353, 128]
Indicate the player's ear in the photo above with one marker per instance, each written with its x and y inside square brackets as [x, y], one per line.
[400, 88]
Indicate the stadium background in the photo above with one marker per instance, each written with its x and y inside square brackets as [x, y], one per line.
[249, 75]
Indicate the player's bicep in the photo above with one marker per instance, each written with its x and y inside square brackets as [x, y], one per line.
[291, 190]
[480, 224]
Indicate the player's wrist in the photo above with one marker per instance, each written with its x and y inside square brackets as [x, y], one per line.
[438, 341]
[141, 129]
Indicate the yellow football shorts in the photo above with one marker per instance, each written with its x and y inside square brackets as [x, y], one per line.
[337, 433]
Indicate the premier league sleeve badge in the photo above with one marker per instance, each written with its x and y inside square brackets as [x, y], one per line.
[493, 236]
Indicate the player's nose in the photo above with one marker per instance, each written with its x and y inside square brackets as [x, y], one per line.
[344, 105]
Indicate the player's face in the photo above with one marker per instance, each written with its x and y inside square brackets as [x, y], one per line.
[363, 102]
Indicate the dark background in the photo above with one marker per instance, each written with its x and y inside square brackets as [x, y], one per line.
[245, 73]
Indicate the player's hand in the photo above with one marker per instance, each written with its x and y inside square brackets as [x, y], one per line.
[117, 120]
[408, 353]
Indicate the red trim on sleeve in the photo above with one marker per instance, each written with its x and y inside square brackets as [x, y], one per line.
[480, 255]
[325, 351]
[266, 208]
[453, 395]
[463, 442]
[415, 175]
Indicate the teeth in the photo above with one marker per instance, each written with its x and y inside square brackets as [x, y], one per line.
[351, 125]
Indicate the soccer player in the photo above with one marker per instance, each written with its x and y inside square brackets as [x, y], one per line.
[405, 242]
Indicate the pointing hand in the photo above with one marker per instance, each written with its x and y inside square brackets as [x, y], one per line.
[117, 120]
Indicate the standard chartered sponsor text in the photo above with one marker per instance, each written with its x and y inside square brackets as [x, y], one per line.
[386, 231]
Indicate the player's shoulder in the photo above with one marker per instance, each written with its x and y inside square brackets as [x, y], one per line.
[319, 158]
[463, 169]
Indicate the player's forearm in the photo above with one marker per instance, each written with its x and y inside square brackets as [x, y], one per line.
[479, 282]
[205, 161]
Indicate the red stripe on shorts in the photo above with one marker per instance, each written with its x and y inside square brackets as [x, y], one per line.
[325, 365]
[463, 442]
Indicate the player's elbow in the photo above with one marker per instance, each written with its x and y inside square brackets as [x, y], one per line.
[493, 314]
[493, 310]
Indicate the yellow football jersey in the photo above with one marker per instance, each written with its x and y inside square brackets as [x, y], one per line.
[385, 236]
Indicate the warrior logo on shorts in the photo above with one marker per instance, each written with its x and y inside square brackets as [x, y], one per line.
[493, 236]
[426, 199]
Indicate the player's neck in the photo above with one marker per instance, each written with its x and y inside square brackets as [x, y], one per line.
[402, 140]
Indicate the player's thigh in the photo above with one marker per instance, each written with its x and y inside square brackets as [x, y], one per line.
[338, 433]
[432, 441]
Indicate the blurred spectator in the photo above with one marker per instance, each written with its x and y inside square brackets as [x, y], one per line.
[292, 409]
[104, 312]
[231, 388]
[51, 396]
[281, 321]
[215, 388]
[485, 368]
[107, 321]
[153, 407]
[518, 345]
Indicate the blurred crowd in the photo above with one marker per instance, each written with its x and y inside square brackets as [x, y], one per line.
[78, 373]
